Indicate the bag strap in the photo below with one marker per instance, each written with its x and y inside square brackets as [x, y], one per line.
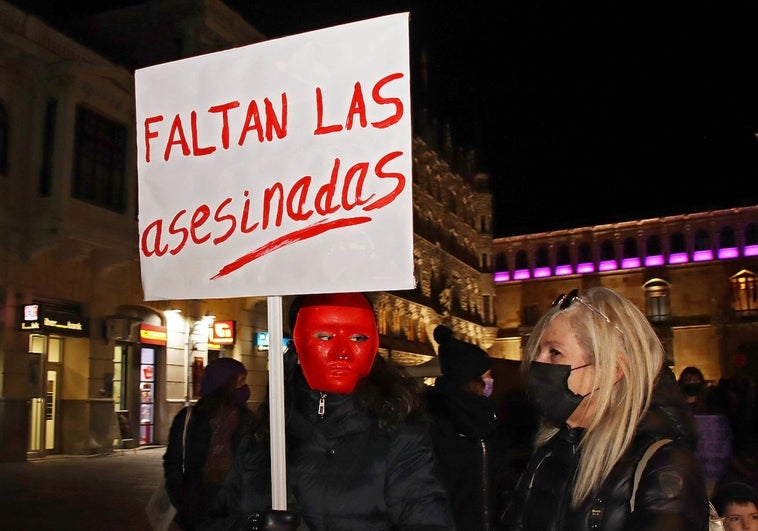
[184, 435]
[641, 466]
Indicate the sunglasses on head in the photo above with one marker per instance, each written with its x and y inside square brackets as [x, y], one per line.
[564, 300]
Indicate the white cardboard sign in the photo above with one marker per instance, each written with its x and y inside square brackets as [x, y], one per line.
[278, 168]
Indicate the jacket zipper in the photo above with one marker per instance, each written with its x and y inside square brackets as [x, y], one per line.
[485, 488]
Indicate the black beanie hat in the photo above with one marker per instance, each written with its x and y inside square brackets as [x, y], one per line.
[733, 491]
[442, 333]
[459, 360]
[219, 373]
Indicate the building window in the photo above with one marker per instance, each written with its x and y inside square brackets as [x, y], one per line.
[502, 273]
[653, 252]
[4, 135]
[657, 300]
[585, 264]
[99, 161]
[631, 258]
[501, 262]
[381, 322]
[703, 251]
[563, 261]
[727, 244]
[607, 256]
[678, 254]
[751, 240]
[542, 268]
[485, 265]
[487, 309]
[48, 149]
[744, 293]
[522, 266]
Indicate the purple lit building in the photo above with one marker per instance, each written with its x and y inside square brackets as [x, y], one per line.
[693, 274]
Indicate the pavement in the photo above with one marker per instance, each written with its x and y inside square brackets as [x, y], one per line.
[105, 492]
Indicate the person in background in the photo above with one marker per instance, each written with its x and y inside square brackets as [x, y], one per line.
[216, 424]
[359, 455]
[696, 391]
[739, 395]
[714, 428]
[737, 504]
[469, 445]
[595, 373]
[743, 465]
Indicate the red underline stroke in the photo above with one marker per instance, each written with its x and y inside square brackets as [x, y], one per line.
[288, 239]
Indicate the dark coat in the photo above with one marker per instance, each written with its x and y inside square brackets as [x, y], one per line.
[672, 493]
[472, 451]
[347, 471]
[187, 490]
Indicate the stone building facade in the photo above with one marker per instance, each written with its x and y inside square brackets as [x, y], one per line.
[694, 275]
[85, 362]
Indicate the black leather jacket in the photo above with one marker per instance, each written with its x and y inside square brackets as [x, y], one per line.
[671, 496]
[473, 453]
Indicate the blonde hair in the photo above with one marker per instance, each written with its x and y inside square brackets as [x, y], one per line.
[627, 344]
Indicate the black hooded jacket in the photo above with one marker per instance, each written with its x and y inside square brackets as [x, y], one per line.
[671, 496]
[183, 465]
[362, 466]
[472, 451]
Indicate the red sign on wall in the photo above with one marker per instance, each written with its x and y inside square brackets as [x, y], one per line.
[221, 333]
[153, 334]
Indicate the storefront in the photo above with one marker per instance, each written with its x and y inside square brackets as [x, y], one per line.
[56, 332]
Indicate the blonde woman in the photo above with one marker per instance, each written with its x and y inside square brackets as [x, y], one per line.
[595, 374]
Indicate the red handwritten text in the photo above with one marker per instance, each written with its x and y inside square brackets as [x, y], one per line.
[184, 136]
[343, 193]
[177, 137]
[357, 108]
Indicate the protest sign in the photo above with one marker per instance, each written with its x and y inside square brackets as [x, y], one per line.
[278, 168]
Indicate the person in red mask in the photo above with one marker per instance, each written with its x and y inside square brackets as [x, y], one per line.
[359, 454]
[338, 338]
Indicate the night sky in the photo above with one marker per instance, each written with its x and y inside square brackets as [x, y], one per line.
[583, 112]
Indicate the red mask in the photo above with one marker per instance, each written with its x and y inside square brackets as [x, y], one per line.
[336, 340]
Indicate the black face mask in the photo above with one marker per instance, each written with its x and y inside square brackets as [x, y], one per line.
[691, 389]
[548, 391]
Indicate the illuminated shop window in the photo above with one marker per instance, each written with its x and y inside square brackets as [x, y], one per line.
[147, 395]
